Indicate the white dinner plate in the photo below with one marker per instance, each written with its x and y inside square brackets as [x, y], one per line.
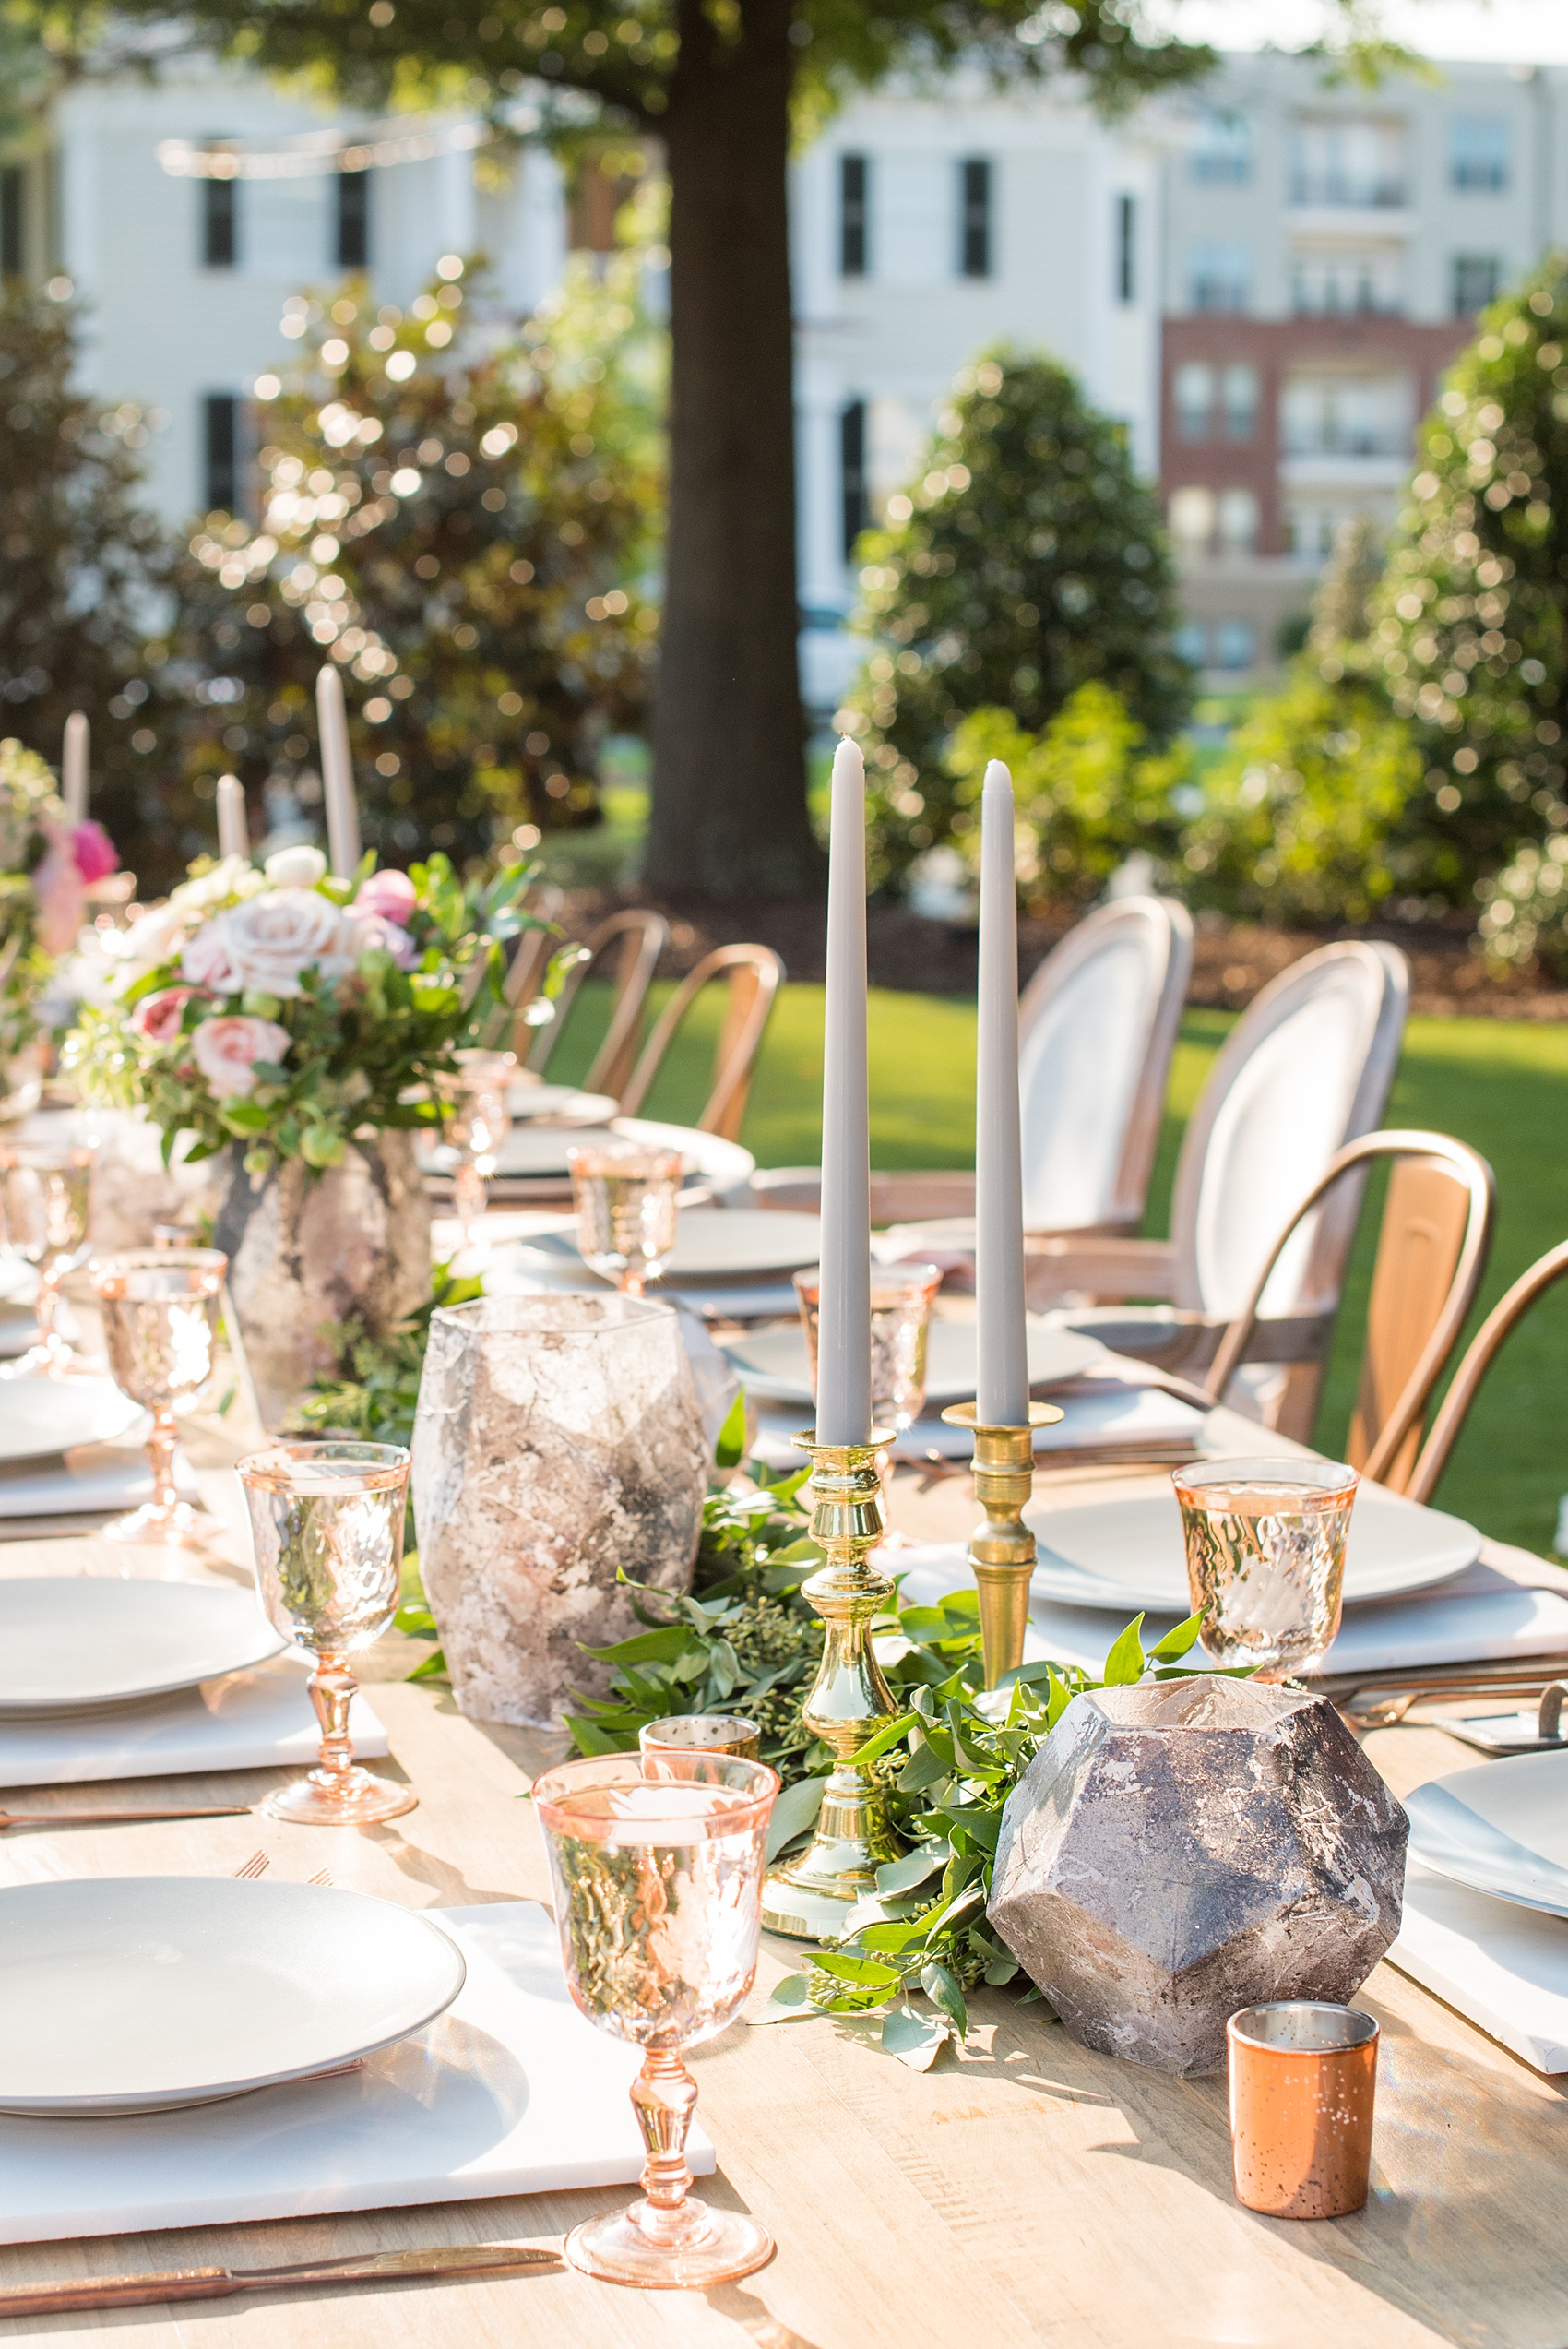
[711, 1244]
[772, 1363]
[78, 1642]
[1128, 1553]
[136, 1993]
[525, 1100]
[18, 1280]
[39, 1416]
[1498, 1827]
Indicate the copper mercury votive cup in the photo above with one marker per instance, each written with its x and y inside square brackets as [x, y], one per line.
[1303, 2080]
[703, 1732]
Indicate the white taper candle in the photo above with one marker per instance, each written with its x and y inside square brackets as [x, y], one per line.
[1002, 1393]
[234, 832]
[337, 775]
[843, 1378]
[74, 766]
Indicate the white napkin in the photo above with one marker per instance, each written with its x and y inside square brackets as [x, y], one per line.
[1479, 1616]
[89, 1481]
[261, 1720]
[510, 2092]
[1504, 1967]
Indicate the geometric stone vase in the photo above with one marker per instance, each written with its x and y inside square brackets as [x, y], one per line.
[557, 1439]
[1180, 1850]
[309, 1252]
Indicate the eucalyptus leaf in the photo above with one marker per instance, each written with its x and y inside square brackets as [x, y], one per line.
[791, 2002]
[916, 2039]
[795, 1811]
[901, 1875]
[940, 1987]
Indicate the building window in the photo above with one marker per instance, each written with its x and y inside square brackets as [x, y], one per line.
[1238, 519]
[1240, 400]
[1191, 642]
[353, 221]
[1346, 416]
[854, 216]
[1477, 151]
[852, 472]
[1235, 645]
[1126, 248]
[220, 452]
[1329, 281]
[13, 221]
[220, 223]
[1338, 159]
[1192, 388]
[1191, 517]
[1221, 152]
[1475, 278]
[1219, 278]
[974, 217]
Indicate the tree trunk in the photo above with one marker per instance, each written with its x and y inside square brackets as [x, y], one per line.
[728, 815]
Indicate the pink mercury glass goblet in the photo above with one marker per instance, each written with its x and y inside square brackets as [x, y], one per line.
[161, 1309]
[657, 1860]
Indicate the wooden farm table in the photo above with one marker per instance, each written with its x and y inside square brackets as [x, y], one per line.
[1027, 2191]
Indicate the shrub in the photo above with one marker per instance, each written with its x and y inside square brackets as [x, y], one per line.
[1025, 561]
[1087, 793]
[465, 523]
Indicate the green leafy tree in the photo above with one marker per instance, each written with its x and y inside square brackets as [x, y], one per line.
[469, 536]
[717, 82]
[80, 560]
[1087, 791]
[1024, 561]
[1470, 627]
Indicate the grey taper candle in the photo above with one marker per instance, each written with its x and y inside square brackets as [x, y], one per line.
[1003, 1386]
[337, 775]
[74, 766]
[234, 832]
[843, 1373]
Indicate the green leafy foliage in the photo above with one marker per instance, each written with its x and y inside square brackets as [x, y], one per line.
[1087, 793]
[464, 516]
[1470, 628]
[1026, 560]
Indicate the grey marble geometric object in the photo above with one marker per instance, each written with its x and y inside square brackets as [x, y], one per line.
[1181, 1850]
[557, 1439]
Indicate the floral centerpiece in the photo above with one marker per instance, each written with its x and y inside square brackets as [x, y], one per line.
[47, 865]
[294, 1029]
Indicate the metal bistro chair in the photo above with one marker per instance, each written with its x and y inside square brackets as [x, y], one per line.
[1479, 1357]
[639, 938]
[1097, 1027]
[1431, 1251]
[1306, 1069]
[753, 975]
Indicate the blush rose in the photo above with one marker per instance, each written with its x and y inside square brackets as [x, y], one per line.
[227, 1049]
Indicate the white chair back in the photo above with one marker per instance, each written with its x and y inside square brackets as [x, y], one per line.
[1097, 1025]
[1306, 1069]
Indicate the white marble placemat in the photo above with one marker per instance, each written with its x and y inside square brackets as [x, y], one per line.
[511, 2091]
[260, 1720]
[92, 1480]
[1504, 1967]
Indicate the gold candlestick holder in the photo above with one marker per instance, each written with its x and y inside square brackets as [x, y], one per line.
[849, 1700]
[1001, 1550]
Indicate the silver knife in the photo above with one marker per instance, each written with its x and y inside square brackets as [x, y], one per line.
[222, 2283]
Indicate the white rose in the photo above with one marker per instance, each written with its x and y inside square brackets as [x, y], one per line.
[271, 939]
[295, 868]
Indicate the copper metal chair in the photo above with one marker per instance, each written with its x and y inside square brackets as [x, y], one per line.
[1499, 1325]
[1431, 1252]
[753, 975]
[638, 938]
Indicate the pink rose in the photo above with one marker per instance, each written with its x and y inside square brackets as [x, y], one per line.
[60, 894]
[391, 895]
[227, 1049]
[157, 1017]
[376, 930]
[95, 853]
[206, 960]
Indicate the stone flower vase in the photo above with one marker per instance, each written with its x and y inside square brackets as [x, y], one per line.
[1178, 1851]
[557, 1439]
[308, 1253]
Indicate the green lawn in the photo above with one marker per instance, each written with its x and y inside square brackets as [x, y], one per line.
[1499, 1085]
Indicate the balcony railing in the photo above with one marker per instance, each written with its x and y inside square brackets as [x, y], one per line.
[1349, 191]
[1345, 440]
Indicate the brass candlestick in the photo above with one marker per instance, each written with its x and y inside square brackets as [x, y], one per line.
[848, 1702]
[1001, 1550]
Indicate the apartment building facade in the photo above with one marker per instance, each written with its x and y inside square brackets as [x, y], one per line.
[1326, 249]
